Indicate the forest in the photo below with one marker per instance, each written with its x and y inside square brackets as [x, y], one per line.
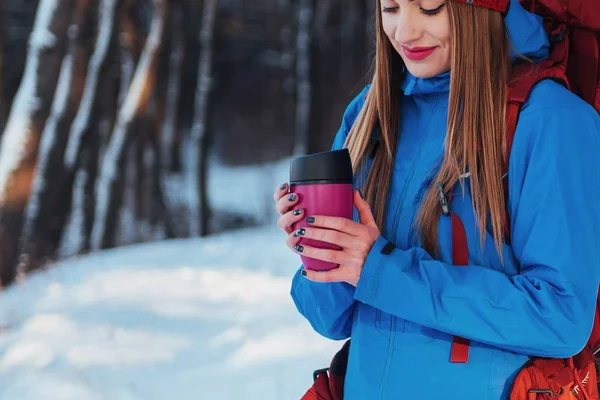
[114, 114]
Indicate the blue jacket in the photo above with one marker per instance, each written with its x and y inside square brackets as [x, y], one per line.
[541, 302]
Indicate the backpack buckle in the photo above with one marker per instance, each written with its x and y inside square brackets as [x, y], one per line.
[549, 392]
[319, 372]
[443, 199]
[560, 36]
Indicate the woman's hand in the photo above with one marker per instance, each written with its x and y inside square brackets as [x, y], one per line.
[355, 239]
[284, 204]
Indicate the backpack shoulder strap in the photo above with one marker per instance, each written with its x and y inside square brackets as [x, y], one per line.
[523, 79]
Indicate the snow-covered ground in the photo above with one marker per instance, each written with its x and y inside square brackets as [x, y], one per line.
[187, 319]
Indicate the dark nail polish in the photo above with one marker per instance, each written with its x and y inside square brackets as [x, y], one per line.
[299, 248]
[300, 232]
[310, 220]
[360, 194]
[283, 186]
[297, 212]
[292, 197]
[303, 273]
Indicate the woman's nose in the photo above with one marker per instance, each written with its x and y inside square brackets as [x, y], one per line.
[407, 28]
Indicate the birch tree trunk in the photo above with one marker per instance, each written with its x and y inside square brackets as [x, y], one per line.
[107, 193]
[82, 120]
[129, 215]
[39, 227]
[29, 110]
[197, 173]
[68, 194]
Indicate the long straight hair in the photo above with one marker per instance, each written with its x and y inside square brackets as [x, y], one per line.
[476, 126]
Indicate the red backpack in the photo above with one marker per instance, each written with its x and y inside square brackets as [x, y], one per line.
[573, 27]
[574, 31]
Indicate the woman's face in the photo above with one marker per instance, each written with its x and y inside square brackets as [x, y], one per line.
[419, 30]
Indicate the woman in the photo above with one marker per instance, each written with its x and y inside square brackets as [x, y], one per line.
[439, 90]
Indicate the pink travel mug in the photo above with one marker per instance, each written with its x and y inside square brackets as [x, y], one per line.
[323, 183]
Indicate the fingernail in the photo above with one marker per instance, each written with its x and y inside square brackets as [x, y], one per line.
[283, 186]
[300, 232]
[292, 197]
[310, 220]
[303, 273]
[360, 194]
[298, 212]
[299, 248]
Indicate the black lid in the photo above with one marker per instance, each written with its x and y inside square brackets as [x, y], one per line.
[327, 167]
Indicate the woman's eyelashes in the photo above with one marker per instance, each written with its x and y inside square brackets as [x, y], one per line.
[434, 11]
[426, 11]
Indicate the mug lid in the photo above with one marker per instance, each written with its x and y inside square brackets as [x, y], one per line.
[329, 166]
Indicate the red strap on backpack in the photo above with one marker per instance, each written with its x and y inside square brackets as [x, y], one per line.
[460, 257]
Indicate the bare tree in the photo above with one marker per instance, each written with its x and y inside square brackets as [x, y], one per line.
[82, 120]
[197, 173]
[28, 112]
[107, 194]
[38, 221]
[170, 124]
[129, 49]
[305, 18]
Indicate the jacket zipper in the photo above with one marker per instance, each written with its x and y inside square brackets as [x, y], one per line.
[397, 213]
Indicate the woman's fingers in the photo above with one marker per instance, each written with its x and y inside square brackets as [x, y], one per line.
[286, 221]
[280, 191]
[293, 239]
[332, 256]
[340, 239]
[340, 274]
[341, 224]
[285, 203]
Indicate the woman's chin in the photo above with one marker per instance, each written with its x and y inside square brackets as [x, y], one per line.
[424, 68]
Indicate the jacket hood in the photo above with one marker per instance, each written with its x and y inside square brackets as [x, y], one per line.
[526, 32]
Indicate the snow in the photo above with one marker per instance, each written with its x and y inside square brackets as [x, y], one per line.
[187, 319]
[255, 184]
[17, 133]
[243, 190]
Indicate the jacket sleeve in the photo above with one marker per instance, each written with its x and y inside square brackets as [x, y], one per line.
[329, 307]
[547, 309]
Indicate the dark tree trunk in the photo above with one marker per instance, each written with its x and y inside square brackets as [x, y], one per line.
[198, 167]
[304, 44]
[40, 227]
[28, 113]
[171, 125]
[2, 74]
[130, 214]
[108, 197]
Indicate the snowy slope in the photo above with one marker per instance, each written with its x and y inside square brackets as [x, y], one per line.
[186, 319]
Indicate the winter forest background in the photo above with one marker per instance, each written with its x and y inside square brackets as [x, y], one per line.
[128, 121]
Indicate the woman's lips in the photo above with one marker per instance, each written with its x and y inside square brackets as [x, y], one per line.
[417, 53]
